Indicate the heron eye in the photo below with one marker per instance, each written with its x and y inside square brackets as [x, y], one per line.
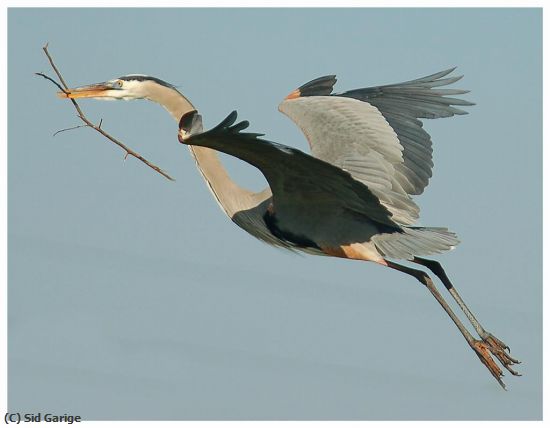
[119, 84]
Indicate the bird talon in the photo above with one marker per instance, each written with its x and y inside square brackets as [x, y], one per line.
[483, 351]
[494, 342]
[515, 373]
[501, 351]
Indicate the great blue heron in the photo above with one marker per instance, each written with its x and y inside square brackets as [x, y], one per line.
[352, 197]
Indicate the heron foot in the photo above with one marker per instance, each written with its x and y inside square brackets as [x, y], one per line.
[483, 351]
[501, 351]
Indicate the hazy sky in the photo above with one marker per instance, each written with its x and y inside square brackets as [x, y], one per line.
[132, 297]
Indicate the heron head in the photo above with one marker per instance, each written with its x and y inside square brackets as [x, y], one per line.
[130, 87]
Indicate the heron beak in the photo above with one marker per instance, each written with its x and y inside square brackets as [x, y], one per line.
[97, 90]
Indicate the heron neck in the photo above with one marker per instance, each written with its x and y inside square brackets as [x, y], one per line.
[230, 197]
[173, 101]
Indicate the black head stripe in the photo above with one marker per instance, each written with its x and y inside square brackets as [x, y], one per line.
[141, 78]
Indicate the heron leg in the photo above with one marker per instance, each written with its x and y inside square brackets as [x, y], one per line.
[497, 347]
[481, 348]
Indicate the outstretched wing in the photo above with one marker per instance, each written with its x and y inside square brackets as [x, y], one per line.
[375, 133]
[355, 137]
[402, 105]
[294, 176]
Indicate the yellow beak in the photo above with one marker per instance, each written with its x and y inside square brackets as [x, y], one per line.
[89, 91]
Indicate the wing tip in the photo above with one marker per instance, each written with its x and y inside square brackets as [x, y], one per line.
[228, 125]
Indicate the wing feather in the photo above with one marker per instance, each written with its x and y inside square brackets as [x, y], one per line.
[402, 105]
[354, 136]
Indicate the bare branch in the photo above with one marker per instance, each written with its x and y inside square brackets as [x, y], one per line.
[88, 123]
[51, 80]
[69, 129]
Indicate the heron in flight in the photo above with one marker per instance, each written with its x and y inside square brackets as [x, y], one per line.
[352, 197]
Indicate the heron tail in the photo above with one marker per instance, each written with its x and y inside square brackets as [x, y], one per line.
[415, 241]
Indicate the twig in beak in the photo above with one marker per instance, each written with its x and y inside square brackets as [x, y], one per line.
[89, 124]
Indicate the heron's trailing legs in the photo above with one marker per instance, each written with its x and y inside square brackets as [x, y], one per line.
[498, 348]
[481, 347]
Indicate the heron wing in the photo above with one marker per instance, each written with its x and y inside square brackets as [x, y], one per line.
[294, 176]
[402, 105]
[354, 136]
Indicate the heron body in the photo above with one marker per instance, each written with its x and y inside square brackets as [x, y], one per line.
[352, 197]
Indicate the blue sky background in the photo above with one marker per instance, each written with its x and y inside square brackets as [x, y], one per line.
[132, 297]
